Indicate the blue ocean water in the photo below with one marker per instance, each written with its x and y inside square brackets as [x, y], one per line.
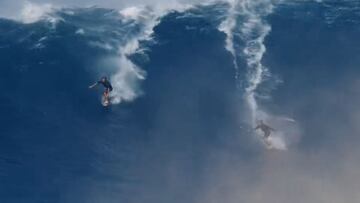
[58, 144]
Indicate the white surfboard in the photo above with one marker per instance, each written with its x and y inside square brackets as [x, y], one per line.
[105, 102]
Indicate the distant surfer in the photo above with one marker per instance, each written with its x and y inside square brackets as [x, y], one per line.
[265, 128]
[108, 88]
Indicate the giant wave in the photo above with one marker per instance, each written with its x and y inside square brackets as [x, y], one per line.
[190, 83]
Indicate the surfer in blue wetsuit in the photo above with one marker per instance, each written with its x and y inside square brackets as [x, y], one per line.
[106, 83]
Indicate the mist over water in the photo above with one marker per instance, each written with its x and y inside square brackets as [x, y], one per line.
[191, 81]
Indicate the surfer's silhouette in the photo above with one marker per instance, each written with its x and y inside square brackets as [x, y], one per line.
[265, 128]
[108, 88]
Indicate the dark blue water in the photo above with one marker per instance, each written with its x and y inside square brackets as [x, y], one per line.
[58, 144]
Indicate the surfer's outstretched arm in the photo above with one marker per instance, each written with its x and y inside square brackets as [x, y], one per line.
[93, 85]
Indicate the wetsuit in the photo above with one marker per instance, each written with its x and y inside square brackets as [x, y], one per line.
[107, 85]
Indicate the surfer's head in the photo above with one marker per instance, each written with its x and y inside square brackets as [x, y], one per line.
[104, 78]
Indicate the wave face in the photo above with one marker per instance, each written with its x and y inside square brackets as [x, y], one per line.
[189, 87]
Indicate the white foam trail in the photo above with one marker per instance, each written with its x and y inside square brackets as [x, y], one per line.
[277, 141]
[252, 30]
[126, 80]
[228, 26]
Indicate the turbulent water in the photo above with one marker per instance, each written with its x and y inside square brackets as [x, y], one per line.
[190, 84]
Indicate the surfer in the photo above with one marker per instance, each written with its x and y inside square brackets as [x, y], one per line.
[108, 87]
[265, 128]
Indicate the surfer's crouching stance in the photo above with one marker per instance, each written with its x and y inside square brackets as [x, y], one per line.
[265, 128]
[108, 87]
